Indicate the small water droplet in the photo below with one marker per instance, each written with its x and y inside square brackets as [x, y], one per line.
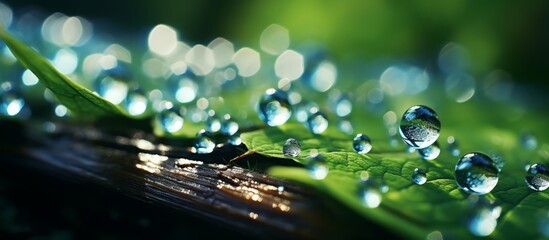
[291, 148]
[136, 103]
[317, 166]
[419, 126]
[229, 127]
[362, 144]
[274, 108]
[476, 173]
[235, 140]
[419, 176]
[453, 146]
[528, 141]
[370, 193]
[317, 123]
[537, 177]
[203, 143]
[430, 152]
[170, 119]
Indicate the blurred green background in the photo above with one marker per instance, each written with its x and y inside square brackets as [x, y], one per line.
[508, 35]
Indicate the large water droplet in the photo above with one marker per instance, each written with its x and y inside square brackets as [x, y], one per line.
[229, 126]
[453, 146]
[476, 173]
[170, 120]
[430, 152]
[136, 103]
[419, 176]
[291, 148]
[419, 126]
[370, 193]
[362, 144]
[317, 123]
[537, 177]
[203, 143]
[528, 141]
[316, 166]
[274, 108]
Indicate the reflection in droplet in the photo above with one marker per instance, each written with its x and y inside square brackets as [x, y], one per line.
[162, 40]
[419, 126]
[291, 147]
[460, 87]
[274, 39]
[247, 61]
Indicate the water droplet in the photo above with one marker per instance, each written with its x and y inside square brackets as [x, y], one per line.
[453, 146]
[316, 166]
[419, 126]
[370, 193]
[430, 152]
[528, 141]
[291, 148]
[419, 177]
[345, 126]
[229, 127]
[235, 140]
[476, 173]
[317, 123]
[170, 120]
[537, 177]
[274, 108]
[362, 144]
[343, 106]
[203, 143]
[136, 103]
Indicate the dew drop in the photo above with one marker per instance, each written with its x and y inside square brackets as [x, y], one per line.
[229, 127]
[170, 120]
[317, 167]
[274, 108]
[362, 144]
[537, 177]
[203, 143]
[291, 148]
[317, 123]
[453, 146]
[419, 176]
[528, 141]
[476, 173]
[430, 152]
[370, 193]
[419, 126]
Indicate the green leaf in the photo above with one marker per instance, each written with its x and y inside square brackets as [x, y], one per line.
[78, 99]
[438, 205]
